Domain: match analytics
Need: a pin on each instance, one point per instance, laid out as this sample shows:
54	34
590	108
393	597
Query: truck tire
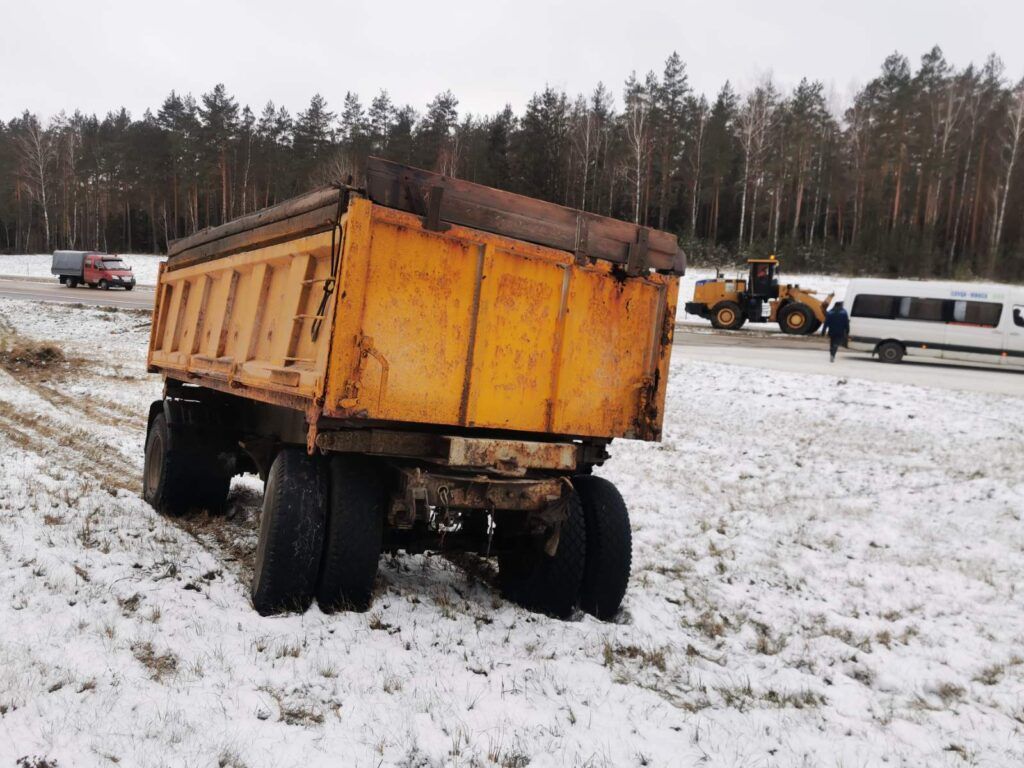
178	476
103	285
609	546
727	315
890	352
548	584
355	533
796	319
129	287
291	534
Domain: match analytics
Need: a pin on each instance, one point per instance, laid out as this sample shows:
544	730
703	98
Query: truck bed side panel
245	320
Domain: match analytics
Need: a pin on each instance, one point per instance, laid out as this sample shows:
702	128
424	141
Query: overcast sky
97	55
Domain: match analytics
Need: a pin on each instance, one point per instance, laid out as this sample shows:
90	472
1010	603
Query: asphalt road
32	289
809	355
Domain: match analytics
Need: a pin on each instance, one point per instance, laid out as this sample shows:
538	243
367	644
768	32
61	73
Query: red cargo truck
97	270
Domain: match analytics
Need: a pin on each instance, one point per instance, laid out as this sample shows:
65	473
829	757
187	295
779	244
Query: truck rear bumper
502	457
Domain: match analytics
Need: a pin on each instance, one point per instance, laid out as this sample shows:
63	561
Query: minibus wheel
890	352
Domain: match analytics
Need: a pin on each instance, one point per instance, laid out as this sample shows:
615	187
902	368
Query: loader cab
764	281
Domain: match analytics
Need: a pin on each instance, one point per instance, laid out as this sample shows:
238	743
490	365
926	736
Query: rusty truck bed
359	313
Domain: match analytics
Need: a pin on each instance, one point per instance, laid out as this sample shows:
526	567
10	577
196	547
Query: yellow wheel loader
758	298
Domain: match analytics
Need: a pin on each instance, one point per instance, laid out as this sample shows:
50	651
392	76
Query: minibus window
905	306
1018	316
977	313
879	307
984	313
926	309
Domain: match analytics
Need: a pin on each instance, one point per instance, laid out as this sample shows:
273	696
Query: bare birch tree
37	150
1011	140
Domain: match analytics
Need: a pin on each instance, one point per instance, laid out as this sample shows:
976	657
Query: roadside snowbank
825	573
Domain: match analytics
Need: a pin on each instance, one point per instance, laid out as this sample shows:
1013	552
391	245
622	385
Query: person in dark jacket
837	326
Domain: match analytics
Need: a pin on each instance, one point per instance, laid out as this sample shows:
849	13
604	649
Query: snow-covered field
144	266
826	573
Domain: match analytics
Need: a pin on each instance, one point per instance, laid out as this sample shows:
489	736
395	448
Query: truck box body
365	314
68	263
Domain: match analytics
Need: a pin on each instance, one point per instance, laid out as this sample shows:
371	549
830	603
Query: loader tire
609	546
355	534
796	319
291	539
178	475
727	315
545	583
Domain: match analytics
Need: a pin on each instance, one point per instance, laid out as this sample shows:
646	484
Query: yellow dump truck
418	364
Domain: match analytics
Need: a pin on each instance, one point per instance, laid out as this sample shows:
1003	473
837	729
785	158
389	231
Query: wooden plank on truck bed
306	223
523	218
311	201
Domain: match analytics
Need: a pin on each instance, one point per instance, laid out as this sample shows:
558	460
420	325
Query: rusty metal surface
432	329
508	457
479	491
512	456
472	329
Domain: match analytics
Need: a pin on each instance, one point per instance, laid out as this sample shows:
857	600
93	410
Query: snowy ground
144	266
825	574
812	358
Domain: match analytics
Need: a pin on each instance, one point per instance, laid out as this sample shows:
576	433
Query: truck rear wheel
291	534
796	319
178	475
548	583
355	534
609	546
727	316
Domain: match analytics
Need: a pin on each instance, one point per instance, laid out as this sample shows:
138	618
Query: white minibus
953	321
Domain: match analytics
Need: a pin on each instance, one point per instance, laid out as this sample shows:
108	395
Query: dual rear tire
590	566
182	474
321	533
